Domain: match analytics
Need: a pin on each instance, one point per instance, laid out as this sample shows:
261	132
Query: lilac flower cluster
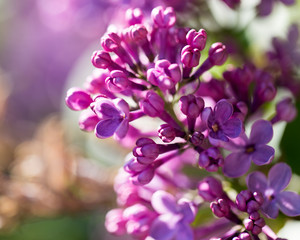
153	71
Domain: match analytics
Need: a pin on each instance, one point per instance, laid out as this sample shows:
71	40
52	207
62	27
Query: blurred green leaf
77	227
290	143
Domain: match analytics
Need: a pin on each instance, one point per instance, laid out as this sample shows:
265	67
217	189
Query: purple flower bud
217	54
164	75
210	188
191	106
244	236
110	42
286	110
190	56
265	89
211	159
133	166
220	208
163	17
117	81
146	150
101	59
138	33
196	39
197	138
88	120
134	16
166	133
78	99
114	222
146	176
152	105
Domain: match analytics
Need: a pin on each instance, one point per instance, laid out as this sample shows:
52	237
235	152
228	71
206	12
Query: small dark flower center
250	149
215	127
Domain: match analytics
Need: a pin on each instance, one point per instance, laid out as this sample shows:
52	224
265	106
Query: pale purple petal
163	228
184	231
123	105
261	132
205	114
188	214
263	154
279	176
271	209
236	164
289	203
164	202
106	128
122	129
223	111
257	182
219	135
232	128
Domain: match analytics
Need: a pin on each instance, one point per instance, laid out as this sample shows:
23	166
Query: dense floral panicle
163	17
275	199
134	16
253	149
221	125
78	99
211	159
173	221
210	188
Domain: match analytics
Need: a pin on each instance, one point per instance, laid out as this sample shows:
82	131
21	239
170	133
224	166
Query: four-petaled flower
174	220
275	199
114	117
253	149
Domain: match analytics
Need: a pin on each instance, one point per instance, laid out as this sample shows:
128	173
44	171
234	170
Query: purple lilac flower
272	188
211	159
221	125
174	219
253	149
114	117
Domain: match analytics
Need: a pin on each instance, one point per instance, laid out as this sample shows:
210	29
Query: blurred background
56	181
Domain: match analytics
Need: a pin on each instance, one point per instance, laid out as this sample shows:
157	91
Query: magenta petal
257	182
236	164
106	128
163	228
122	129
271	209
263	155
261	132
232	128
223	111
184	231
279	176
164	202
289	203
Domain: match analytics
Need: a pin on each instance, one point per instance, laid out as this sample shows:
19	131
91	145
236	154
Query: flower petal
263	154
257	182
223	111
106	128
232	128
261	132
122	129
236	164
279	176
163	227
183	231
270	208
105	109
164	202
289	203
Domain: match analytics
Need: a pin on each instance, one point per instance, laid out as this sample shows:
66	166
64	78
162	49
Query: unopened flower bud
101	59
196	39
217	54
163	17
210	188
134	16
146	150
78	99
